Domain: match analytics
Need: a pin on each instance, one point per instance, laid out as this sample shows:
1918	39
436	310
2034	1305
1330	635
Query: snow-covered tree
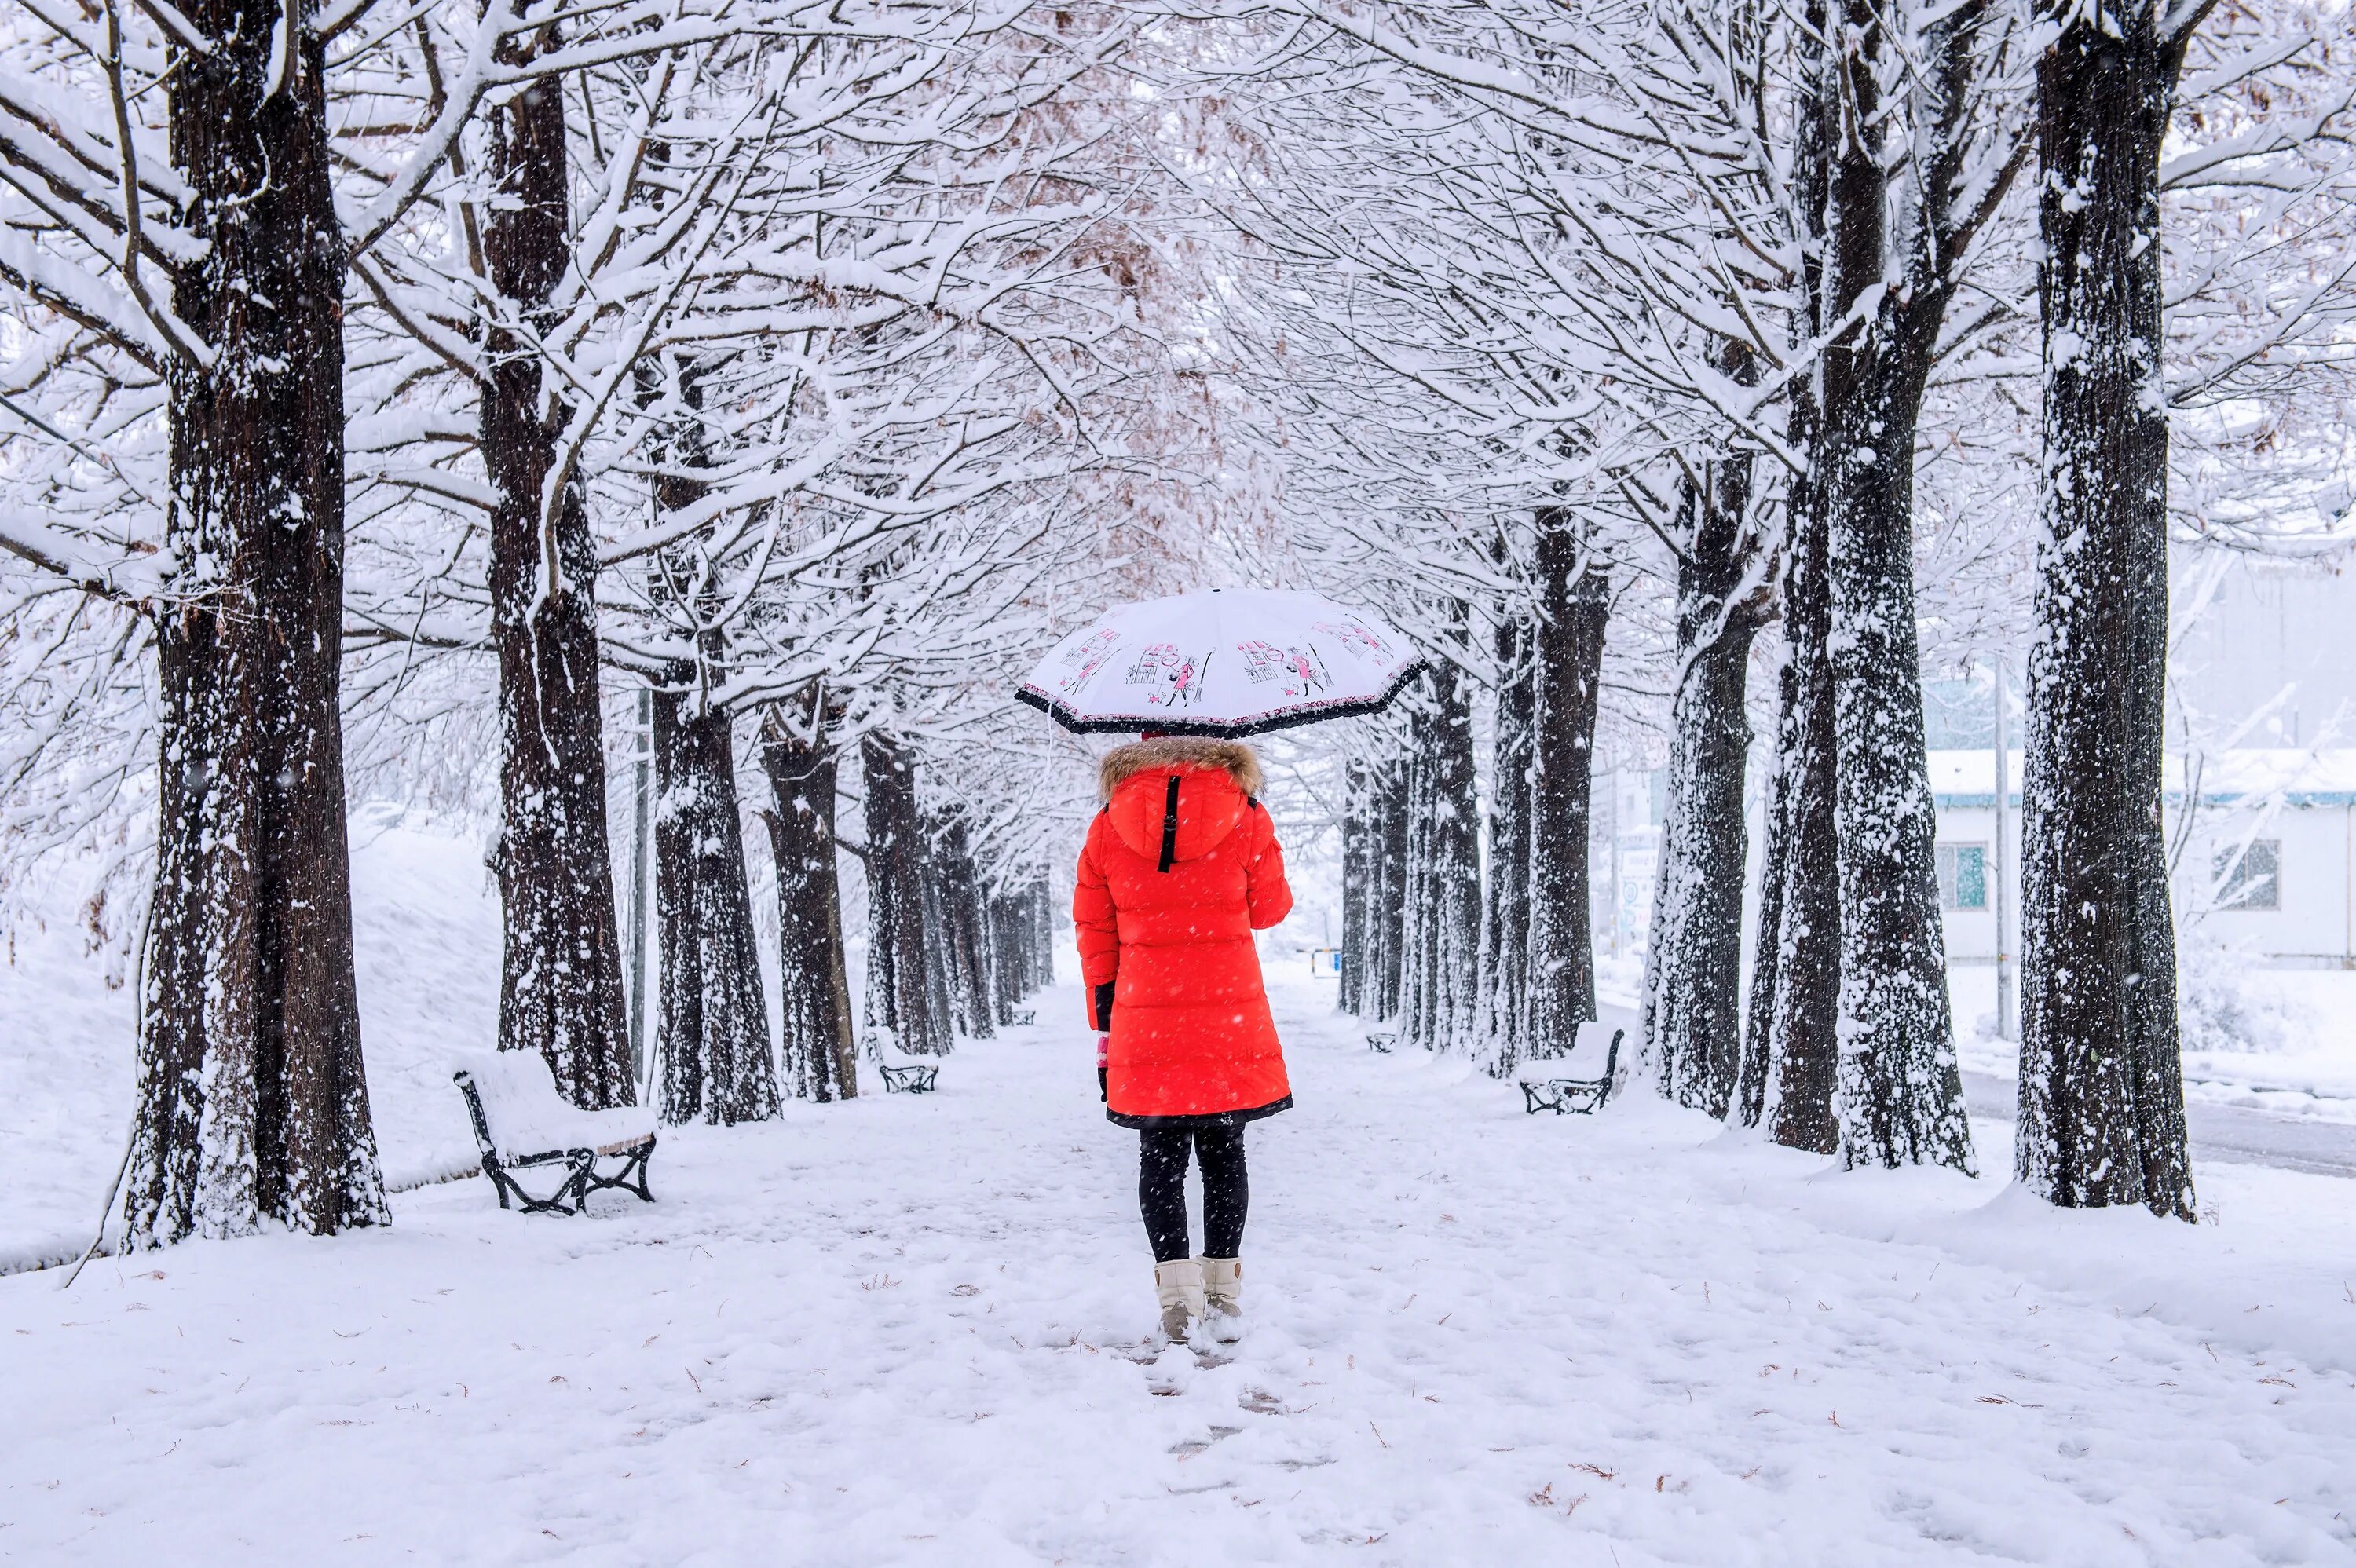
175	245
2195	274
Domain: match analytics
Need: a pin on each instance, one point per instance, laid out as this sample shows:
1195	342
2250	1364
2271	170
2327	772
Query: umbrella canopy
1229	662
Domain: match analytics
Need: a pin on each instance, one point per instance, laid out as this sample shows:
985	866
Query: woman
1181	867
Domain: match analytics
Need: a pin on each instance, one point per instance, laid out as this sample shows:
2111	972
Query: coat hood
1166	753
1177	799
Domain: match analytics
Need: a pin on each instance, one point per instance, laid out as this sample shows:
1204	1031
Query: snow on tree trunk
1043	934
1357	863
1374	905
1505	917
940	943
1391	907
959	934
713	1037
561	993
1416	910
1014	943
1574	603
1796	984
252	1104
822	1057
1759	1009
1902	1098
1389	914
2101	1096
1444	868
1693	960
899	994
1791	1054
1006	958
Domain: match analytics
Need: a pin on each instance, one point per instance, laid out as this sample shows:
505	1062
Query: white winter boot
1223	1289
1180	1285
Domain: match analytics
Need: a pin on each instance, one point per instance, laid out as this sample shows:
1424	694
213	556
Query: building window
1962	876
2250	878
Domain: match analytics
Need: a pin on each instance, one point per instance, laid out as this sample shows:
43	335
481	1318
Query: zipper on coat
1169	825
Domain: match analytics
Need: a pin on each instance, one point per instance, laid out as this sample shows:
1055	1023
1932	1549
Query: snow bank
426	932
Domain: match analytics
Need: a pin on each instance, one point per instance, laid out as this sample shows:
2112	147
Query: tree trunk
1693	964
1043	934
959	934
1799	1006
1751	1085
821	1059
1453	874
1014	958
1003	938
1574	600
1902	1098
1358	861
1441	968
1417	922
252	1102
940	940
714	1039
1389	914
1384	915
1791	1063
561	993
1506	923
899	992
2101	1096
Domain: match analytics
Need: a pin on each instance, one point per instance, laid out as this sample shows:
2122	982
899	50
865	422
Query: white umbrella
1230	662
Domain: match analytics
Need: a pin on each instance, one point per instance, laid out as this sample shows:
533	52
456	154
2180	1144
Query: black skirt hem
1205	1119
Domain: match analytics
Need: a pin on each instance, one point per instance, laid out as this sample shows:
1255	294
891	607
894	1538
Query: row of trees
386	387
1719	280
361	358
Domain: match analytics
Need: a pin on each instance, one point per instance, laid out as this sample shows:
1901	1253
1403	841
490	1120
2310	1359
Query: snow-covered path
894	1331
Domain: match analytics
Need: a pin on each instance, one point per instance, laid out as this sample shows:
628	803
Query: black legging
1162	1190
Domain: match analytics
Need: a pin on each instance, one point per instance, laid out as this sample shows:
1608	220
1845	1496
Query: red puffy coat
1181	867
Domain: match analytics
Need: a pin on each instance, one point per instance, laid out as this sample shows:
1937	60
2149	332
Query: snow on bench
1580	1087
521	1121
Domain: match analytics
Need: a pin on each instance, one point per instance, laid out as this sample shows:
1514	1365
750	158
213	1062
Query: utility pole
642	748
2007	1011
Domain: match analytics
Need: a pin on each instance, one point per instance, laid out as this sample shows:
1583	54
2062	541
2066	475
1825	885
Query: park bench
1382	1042
916	1078
521	1121
1021	1018
1580	1089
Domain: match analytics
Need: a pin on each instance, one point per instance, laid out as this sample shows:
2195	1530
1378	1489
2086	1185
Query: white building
2262	692
2267	860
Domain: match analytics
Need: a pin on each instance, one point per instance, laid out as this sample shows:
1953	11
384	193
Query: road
2219	1132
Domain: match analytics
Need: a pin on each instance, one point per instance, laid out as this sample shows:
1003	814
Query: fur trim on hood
1169	751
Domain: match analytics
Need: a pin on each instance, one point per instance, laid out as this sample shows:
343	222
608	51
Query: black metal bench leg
641	1161
554	1203
636	1161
